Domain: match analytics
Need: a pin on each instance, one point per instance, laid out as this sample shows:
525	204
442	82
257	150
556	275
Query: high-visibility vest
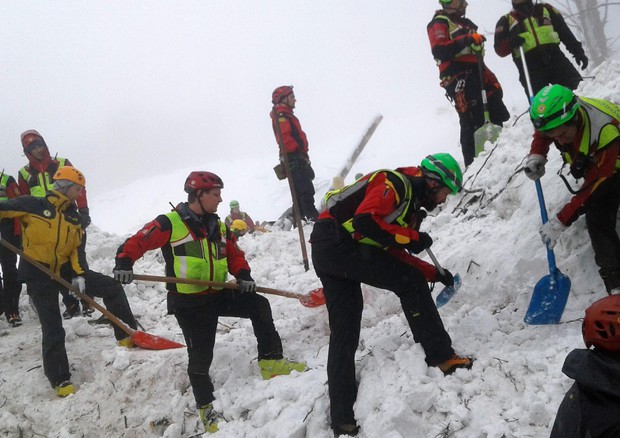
455	30
535	34
359	187
3	182
198	259
44	181
601	126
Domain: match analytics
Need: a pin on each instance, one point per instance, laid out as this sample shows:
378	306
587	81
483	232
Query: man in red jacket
458	48
196	245
293	142
365	235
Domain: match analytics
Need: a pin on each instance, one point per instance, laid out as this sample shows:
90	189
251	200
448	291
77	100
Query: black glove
447	278
246	282
582	60
123	271
578	168
84	217
516	40
424	241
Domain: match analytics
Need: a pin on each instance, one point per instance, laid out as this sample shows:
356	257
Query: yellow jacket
51	230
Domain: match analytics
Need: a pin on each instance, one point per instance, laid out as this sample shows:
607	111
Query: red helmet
601	325
280	93
198	180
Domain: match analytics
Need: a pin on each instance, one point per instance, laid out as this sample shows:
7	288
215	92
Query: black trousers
10	286
44	293
548	68
601	211
198	315
472	117
342	265
302	175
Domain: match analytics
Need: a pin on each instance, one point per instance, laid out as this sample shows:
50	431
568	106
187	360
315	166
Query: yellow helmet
239	225
69	173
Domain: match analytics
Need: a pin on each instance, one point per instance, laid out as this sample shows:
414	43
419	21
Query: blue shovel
551	292
448	292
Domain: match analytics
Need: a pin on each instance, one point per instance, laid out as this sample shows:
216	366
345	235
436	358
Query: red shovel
141	339
313	299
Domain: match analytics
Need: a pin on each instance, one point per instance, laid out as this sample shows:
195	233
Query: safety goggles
33	145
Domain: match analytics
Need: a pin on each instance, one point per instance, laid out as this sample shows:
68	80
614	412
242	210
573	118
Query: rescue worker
590	407
458	48
292	140
35	179
237	214
239	228
585	130
540	29
197	245
52	232
10	286
366	235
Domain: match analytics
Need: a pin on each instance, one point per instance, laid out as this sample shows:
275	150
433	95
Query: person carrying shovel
51	234
365	235
586	132
197	245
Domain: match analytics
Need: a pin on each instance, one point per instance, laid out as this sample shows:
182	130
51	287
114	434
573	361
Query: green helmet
446	167
234	204
553	106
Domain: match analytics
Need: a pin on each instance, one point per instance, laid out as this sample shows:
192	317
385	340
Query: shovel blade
314	298
487	132
548	300
152	342
448	292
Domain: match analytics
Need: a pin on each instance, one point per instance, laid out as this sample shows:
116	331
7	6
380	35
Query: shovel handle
218	284
69	286
435	262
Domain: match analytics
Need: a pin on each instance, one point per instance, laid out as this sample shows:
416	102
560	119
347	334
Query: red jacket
382	196
156	234
292	137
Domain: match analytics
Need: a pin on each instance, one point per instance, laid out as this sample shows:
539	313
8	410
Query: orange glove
477	39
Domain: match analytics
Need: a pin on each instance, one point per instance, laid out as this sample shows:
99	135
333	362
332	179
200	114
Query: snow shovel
313	299
448	292
141	339
488	131
551	292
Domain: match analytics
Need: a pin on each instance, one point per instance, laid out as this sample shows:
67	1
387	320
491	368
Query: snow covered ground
513	390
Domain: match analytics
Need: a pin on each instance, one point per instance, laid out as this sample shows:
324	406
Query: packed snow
490	237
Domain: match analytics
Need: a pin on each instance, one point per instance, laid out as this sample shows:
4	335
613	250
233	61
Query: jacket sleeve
596	174
153	235
286	134
566	35
430	271
540	144
442	46
235	256
501	42
381	199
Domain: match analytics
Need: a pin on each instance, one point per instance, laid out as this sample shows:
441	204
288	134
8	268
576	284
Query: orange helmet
280	93
69	173
601	325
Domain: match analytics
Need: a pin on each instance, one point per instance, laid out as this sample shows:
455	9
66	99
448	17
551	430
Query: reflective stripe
535	34
3	182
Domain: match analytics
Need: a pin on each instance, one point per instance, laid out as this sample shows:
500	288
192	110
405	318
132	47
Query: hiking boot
346	429
14	319
65	389
126	342
72	310
209	417
87	309
454	363
279	367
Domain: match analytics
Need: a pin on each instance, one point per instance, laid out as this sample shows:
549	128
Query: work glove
424	241
123	271
84	217
447	278
477	42
550	232
578	167
78	283
535	166
245	282
582	60
516	40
